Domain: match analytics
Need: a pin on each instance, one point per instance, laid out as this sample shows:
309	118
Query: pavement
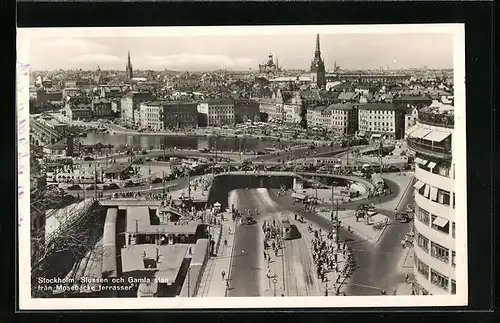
212	283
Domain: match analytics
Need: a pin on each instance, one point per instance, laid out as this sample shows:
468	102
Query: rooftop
117	168
138	220
166	260
341	106
378	106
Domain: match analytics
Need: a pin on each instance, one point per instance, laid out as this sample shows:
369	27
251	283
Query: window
453	287
440	224
453	229
423	216
453	258
423	268
439	279
443	197
453	200
440	252
423	242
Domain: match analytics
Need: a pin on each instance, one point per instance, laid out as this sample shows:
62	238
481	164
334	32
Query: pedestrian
190	251
349	228
225	242
407	278
223	274
265	256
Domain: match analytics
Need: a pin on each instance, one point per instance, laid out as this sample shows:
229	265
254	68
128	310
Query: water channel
183	142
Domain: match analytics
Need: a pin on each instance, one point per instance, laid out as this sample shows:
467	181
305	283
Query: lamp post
274	285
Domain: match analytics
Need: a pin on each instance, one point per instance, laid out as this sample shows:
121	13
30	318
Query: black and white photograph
242	167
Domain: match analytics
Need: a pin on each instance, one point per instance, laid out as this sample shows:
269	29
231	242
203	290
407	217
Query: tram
285	226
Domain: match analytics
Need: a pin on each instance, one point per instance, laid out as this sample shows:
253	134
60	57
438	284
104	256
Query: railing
434	151
437	119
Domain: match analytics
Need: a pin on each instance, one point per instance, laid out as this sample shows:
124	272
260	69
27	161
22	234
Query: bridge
40	133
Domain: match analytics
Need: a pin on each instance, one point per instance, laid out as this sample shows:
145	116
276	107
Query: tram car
287	230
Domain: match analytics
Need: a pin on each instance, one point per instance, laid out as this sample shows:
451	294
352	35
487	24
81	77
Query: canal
183	142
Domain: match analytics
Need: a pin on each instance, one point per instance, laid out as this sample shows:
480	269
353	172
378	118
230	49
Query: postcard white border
459	156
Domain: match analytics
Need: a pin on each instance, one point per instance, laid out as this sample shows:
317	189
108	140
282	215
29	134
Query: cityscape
267	180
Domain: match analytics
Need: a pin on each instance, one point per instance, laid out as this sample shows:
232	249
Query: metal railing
435	151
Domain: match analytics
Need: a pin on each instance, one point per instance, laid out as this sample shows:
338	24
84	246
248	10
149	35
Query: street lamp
274	284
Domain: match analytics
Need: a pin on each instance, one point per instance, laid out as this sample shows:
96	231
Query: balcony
430	150
438	119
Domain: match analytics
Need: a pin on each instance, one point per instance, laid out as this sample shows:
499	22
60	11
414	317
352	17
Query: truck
299	197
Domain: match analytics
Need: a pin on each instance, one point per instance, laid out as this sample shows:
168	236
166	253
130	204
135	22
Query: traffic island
272	255
370	230
332	262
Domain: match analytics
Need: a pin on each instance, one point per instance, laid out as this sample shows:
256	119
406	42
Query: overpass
42	133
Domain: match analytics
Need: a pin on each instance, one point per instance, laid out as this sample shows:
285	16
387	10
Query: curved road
376	266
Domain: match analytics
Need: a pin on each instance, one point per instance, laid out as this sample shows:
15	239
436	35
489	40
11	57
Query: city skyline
244	52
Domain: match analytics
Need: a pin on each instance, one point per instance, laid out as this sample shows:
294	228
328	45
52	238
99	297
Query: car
249	220
111	186
403	217
204	150
156	181
88	158
75	187
129	184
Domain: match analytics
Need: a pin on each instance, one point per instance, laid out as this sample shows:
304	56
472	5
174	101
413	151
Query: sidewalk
334	279
348	219
212	284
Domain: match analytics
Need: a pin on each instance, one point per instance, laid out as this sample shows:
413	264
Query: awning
426	190
418	160
440	222
420	133
423	162
434	193
437	136
431	165
361	134
418	185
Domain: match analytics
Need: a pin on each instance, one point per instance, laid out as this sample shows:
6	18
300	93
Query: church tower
318	66
128	69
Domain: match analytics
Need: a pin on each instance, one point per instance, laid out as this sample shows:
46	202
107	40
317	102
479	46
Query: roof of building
378	106
221	101
167	259
310	95
341	106
412	98
117	168
100	100
348	95
138	220
60	145
320	108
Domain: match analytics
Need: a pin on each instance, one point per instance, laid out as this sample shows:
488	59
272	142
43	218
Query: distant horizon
244	52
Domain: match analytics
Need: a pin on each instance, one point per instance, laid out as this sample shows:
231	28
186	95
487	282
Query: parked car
111	186
75	187
403	217
156	180
88	158
249	220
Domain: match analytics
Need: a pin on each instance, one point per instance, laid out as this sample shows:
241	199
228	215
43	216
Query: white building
151	115
434	246
216	112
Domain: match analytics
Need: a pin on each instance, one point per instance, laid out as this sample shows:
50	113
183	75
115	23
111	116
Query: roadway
246	267
376	265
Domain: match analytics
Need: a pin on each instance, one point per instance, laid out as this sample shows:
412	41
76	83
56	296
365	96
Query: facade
101	108
78	111
434	226
246	110
216	112
381	119
151	115
178	114
318	72
130	102
344	118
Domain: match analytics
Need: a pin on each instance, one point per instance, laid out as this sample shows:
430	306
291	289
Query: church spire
129	69
318	51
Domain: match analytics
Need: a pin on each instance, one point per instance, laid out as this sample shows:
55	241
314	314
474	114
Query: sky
243	52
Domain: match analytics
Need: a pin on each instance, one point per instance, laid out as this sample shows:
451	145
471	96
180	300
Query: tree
53	255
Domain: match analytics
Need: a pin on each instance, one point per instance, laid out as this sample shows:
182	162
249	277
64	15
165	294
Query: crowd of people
272	238
326	255
202	182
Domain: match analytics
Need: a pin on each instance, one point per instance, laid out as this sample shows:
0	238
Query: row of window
436	277
378	111
435	194
440	224
437	251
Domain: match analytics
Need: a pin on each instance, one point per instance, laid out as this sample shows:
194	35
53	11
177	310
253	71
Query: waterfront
183	142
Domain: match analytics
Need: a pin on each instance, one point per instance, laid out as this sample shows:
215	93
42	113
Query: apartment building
435	221
381	120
